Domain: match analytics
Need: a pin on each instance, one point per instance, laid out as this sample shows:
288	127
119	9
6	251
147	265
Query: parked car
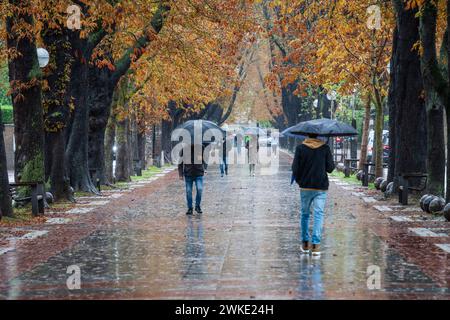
386	147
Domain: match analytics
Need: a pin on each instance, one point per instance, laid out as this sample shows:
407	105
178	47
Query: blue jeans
189	188
314	200
223	166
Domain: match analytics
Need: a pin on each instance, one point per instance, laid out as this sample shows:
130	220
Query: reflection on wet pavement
245	245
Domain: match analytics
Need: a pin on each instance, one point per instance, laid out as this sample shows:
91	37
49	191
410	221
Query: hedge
7	114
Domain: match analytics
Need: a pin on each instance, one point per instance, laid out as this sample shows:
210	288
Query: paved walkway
245	245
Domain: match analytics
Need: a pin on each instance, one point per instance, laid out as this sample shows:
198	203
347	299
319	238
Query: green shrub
7	114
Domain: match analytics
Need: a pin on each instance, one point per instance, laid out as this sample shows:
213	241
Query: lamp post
316	107
43	57
43	60
354	141
332	95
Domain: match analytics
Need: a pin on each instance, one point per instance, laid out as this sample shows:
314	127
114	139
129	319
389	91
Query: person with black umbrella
193	163
313	160
312	163
192	170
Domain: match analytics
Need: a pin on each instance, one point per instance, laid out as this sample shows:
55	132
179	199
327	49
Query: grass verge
351	179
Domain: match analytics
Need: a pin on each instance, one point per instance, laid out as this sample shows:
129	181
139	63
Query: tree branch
124	63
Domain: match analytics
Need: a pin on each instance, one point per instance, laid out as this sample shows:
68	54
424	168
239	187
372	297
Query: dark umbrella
321	127
300	137
193	126
291	135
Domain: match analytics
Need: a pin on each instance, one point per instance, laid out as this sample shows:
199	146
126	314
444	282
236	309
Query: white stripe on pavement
444	246
424	232
401	219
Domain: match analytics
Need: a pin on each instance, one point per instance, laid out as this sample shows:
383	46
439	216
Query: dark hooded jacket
195	167
313	160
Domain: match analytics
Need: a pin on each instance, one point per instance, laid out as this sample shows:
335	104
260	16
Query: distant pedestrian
252	153
313	160
192	171
238	142
224	158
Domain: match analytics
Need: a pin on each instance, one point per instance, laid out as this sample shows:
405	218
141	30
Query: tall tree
330	46
5	196
56	99
24	76
435	88
408	103
447	106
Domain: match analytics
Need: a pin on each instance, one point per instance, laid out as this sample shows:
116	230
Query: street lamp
354	140
43	57
332	95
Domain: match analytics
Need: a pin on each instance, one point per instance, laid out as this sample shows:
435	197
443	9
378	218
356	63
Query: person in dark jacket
313	160
192	172
224	158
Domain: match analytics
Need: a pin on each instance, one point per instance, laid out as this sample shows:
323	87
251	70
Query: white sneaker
315	252
305	248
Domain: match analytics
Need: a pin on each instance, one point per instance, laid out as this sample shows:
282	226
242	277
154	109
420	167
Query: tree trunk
378	135
56	99
166	143
110	136
447	113
132	144
392	110
141	141
123	155
410	117
77	146
27	104
436	148
447	110
100	98
365	133
433	82
167	126
291	107
59	182
5	196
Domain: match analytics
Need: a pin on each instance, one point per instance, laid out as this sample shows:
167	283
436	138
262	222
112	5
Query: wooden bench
37	195
350	166
404	185
367	174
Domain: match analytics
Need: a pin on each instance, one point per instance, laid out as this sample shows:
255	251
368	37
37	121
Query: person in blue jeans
192	172
224	158
312	163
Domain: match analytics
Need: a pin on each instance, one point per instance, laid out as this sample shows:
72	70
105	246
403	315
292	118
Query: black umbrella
197	126
321	127
286	134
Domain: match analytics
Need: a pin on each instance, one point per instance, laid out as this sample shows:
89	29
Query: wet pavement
245	245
